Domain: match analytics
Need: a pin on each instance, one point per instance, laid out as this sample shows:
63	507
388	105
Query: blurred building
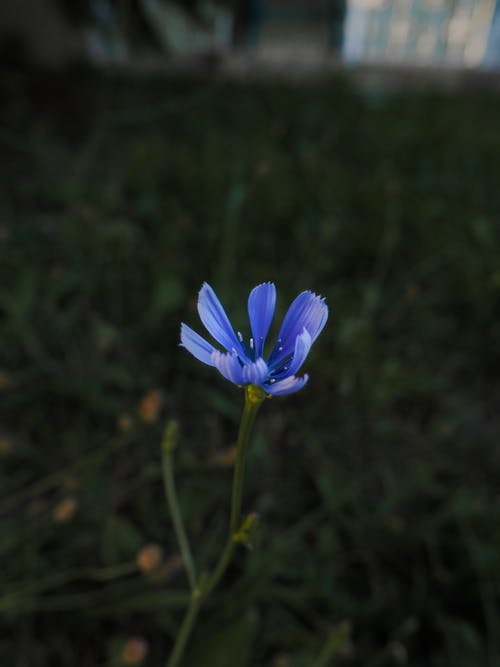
458	33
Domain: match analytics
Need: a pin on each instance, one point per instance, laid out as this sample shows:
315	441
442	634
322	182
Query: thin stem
186	628
238	531
220	568
168	446
250	410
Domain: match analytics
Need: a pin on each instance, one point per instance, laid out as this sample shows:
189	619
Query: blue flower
244	364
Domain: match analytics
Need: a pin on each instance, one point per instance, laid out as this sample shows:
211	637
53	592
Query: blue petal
198	346
214	318
303	344
228	366
307	311
261	303
287	386
255	373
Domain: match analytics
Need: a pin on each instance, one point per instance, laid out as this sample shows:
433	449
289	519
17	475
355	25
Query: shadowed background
376	485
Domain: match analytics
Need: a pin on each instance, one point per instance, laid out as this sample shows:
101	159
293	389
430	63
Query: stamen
251	343
280	349
240	337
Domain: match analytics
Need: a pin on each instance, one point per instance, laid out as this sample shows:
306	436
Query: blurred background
351	148
144	33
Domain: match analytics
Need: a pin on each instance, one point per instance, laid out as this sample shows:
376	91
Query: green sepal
254	395
247	529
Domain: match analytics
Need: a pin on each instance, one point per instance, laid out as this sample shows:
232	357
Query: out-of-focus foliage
377	485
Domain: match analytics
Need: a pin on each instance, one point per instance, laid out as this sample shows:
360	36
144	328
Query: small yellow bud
247	529
65	510
134	651
149	558
150	406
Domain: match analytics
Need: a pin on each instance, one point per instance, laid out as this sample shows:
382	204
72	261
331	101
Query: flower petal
307	311
214	317
198	346
303	344
289	385
228	366
261	304
256	372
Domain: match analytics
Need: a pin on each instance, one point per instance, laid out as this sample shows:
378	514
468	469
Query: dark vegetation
377	485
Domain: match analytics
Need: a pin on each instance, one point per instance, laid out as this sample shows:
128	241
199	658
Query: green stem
168	446
220	568
250	410
253	399
186	628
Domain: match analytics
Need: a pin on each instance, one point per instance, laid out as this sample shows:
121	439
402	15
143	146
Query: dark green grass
377	485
